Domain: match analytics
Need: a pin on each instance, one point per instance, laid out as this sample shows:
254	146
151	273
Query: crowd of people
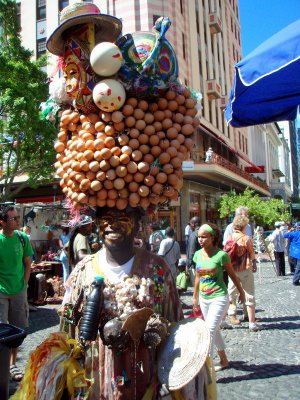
221	278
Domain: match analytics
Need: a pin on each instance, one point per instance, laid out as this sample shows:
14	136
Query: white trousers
214	310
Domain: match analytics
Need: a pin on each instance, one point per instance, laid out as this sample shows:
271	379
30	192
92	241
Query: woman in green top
210	290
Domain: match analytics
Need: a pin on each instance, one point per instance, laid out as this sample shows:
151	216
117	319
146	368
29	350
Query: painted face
205	239
109	95
117	228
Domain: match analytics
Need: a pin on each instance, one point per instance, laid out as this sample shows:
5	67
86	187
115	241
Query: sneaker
254	327
233	320
225	325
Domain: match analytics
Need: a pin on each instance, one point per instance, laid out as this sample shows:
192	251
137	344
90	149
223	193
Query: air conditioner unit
213	89
222	102
214	23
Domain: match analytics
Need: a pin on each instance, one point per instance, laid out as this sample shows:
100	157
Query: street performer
119	151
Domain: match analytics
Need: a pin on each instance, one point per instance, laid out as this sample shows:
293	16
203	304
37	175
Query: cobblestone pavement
264	365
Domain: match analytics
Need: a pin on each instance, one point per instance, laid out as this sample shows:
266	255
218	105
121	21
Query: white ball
106	59
109	95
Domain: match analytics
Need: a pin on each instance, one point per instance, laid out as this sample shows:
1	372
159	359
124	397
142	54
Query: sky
260	19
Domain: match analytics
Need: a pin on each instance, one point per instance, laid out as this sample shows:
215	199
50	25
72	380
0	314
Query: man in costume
131	290
122	366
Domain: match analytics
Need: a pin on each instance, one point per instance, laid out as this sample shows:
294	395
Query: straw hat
180	360
107	27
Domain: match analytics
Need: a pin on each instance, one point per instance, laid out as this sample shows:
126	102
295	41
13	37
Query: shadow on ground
261	371
42	318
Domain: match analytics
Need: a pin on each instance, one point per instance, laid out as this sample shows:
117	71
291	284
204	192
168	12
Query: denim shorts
14	309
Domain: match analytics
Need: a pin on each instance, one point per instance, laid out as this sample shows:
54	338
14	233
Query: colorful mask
80	78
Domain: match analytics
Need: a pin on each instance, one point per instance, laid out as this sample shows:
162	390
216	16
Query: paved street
264	365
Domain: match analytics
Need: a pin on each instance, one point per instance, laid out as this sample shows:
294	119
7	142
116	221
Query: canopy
267	82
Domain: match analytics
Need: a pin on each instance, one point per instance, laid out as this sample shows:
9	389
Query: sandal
221	367
15	373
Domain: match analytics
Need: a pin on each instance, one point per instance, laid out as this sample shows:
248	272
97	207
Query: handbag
196	314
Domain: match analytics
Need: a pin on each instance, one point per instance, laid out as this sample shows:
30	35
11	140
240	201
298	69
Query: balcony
213	89
277	173
222	102
215	25
222	171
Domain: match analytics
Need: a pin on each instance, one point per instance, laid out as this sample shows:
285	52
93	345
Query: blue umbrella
267	82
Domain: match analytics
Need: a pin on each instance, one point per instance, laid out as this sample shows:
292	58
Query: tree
26	141
264	212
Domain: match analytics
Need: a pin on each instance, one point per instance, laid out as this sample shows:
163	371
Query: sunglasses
13	218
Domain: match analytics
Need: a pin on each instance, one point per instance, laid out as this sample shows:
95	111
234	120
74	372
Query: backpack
232	249
157	237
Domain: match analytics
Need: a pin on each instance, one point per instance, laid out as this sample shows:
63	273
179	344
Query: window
240	144
197	21
62	4
200	64
181	7
183	46
41	9
19	15
40	47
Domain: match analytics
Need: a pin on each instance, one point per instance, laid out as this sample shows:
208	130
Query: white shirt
170	252
188	230
114	274
278	241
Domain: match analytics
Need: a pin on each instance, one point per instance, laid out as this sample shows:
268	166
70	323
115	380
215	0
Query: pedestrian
15	263
244	212
278	241
187	232
63	240
121	366
169	249
79	245
294	239
292	260
182	279
209	155
210	291
193	247
155	237
244	267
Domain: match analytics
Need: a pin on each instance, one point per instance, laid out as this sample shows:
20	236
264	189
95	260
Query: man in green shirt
15	262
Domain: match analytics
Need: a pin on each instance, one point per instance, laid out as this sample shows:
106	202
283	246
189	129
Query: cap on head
277	224
181	262
85	220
